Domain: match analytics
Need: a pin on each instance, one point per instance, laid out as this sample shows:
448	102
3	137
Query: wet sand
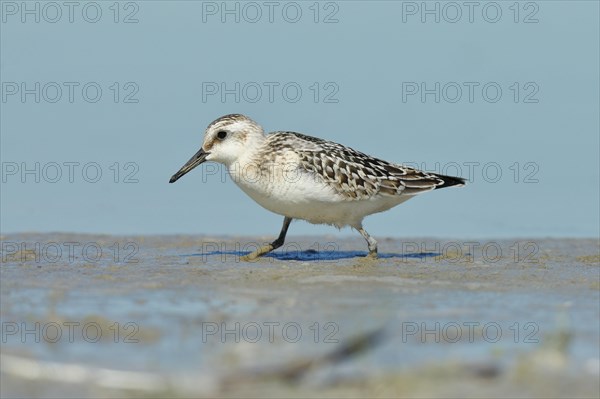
149	316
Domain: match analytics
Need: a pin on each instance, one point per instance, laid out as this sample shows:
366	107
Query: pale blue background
368	53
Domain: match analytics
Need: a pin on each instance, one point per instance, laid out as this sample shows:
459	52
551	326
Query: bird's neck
246	167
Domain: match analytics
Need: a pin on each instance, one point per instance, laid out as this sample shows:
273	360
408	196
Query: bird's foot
265	249
368	261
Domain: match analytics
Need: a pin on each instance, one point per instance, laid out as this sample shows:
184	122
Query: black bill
194	161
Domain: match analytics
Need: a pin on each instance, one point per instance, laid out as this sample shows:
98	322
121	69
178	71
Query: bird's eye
221	134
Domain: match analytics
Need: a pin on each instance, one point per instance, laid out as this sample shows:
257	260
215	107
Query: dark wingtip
450	181
173	179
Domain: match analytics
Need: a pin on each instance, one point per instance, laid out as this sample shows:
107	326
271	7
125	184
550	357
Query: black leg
281	239
274	245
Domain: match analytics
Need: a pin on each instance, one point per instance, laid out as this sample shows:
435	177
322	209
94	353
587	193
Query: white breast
283	188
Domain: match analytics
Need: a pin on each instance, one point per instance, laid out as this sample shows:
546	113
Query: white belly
304	198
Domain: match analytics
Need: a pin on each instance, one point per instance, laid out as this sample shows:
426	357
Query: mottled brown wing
353	174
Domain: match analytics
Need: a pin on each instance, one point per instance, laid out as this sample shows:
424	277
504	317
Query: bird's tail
450	181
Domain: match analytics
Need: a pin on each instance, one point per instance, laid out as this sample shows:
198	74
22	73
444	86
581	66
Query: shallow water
433	317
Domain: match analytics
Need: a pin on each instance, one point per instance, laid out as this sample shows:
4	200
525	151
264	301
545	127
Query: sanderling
308	178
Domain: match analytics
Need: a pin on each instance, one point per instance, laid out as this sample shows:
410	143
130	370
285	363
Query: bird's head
225	141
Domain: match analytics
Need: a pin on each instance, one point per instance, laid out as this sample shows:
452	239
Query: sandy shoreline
475	318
